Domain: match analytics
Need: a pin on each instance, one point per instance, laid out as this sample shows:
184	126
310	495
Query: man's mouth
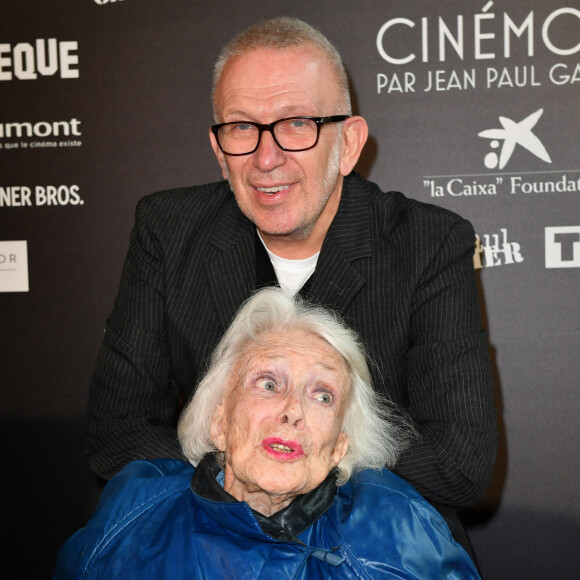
271	190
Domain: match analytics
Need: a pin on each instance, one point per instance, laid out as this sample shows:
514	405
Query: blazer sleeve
449	379
133	404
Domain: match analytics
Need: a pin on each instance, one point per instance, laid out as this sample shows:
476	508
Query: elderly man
291	212
284	414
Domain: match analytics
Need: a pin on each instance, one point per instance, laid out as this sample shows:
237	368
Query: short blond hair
282	33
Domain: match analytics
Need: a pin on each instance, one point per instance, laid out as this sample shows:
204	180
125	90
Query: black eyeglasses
291	134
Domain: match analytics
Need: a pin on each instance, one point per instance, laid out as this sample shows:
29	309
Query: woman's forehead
296	346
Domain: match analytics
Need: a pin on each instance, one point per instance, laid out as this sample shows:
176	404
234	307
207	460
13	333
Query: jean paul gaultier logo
495	250
469	51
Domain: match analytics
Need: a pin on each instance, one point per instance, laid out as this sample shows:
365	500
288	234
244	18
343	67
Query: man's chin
283	234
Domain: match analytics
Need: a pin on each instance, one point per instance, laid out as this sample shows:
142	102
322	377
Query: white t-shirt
291	274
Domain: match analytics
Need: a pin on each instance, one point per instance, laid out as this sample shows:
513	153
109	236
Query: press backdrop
473	106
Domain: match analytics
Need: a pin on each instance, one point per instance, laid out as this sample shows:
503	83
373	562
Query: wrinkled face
280	423
283	193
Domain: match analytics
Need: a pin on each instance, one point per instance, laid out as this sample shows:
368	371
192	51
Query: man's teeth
273	189
281	448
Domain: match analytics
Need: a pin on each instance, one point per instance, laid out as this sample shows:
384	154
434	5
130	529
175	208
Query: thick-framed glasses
290	134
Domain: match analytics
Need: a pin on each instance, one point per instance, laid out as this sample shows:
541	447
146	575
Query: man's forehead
291	80
307	50
263	61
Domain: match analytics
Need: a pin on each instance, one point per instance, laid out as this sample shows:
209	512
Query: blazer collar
351	227
232	270
336	280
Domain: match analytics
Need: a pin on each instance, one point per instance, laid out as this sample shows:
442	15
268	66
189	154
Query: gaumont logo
14	266
40	134
493	250
42	58
562	247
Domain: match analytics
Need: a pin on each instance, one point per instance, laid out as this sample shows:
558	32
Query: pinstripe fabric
401	274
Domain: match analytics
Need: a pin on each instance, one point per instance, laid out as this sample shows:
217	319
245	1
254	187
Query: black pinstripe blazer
400	272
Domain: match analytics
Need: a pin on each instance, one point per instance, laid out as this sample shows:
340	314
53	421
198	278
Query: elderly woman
288	439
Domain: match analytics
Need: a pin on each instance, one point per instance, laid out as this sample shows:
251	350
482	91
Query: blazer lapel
231	269
336	280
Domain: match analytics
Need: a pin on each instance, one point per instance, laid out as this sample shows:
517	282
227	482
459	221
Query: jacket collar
231	271
337	280
284	525
231	268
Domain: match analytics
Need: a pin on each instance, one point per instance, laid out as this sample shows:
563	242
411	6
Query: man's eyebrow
234	112
288	111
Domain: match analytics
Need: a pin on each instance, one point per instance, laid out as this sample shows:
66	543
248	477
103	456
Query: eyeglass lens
291	134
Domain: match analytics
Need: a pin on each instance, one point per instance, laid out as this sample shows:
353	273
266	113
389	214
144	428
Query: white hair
282	33
376	432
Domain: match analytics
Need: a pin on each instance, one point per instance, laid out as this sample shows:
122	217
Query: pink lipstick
281	449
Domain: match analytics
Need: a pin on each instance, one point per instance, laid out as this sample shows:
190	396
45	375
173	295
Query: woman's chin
283	485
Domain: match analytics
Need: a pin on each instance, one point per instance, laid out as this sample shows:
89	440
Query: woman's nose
293	412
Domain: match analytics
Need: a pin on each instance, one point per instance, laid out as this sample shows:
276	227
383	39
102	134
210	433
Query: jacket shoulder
183	205
382	518
381	482
141	486
396	206
374	490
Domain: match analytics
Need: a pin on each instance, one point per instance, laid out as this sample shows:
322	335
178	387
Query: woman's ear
354	137
216	429
340	449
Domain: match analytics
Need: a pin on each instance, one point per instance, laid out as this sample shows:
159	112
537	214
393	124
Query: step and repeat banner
474	106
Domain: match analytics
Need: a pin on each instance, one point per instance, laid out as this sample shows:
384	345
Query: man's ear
219	154
216	429
340	449
354	136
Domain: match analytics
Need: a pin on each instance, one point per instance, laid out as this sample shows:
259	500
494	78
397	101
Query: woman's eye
324	398
267	384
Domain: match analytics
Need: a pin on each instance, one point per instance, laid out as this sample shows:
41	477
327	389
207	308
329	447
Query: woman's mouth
282	449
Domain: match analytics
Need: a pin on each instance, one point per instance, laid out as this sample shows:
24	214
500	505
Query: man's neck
305	242
285	246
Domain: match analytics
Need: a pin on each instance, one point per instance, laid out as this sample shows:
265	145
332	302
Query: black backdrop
117	106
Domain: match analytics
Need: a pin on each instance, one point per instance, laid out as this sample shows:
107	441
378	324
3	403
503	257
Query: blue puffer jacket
150	523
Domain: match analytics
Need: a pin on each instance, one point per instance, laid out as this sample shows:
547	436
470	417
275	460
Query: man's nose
268	156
